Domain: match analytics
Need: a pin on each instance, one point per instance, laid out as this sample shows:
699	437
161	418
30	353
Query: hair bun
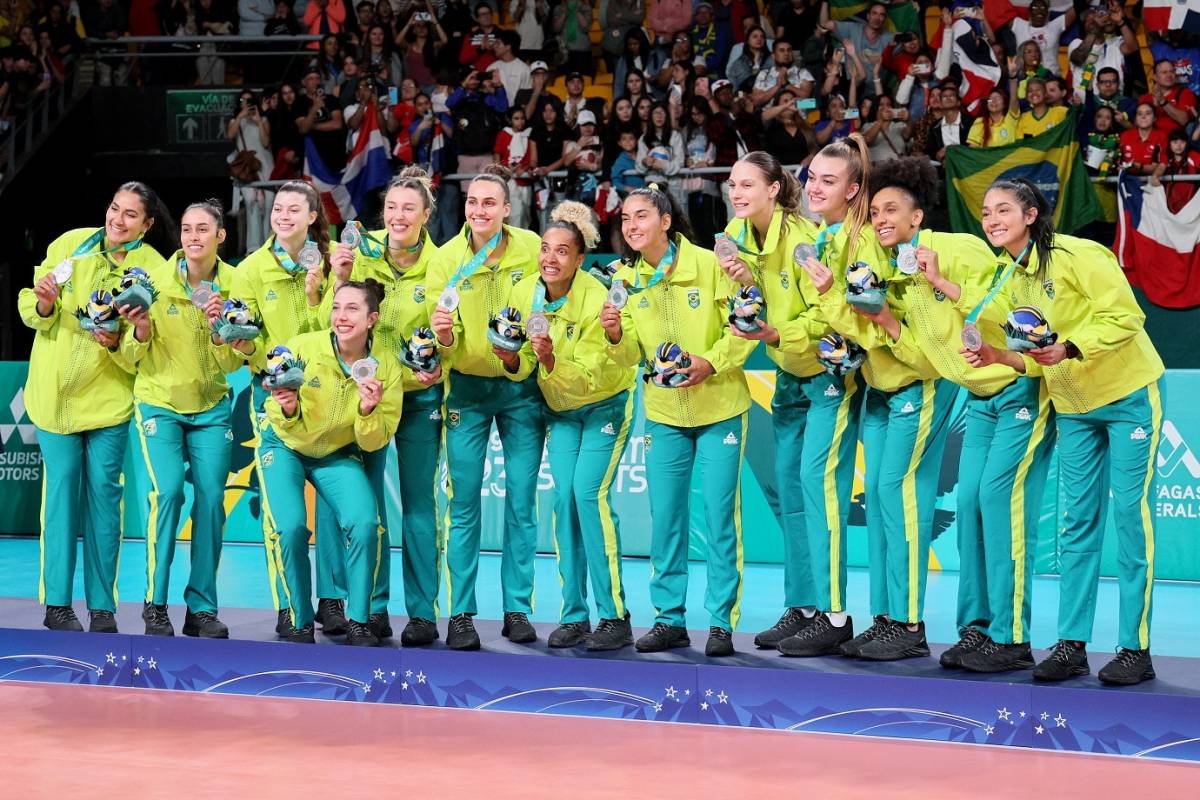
499	170
217	204
579	215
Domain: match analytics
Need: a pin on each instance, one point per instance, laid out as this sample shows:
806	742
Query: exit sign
199	116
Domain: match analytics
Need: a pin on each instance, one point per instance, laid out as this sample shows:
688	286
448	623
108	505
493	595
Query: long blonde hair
854	151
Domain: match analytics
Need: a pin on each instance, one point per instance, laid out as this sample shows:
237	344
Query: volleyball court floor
63	741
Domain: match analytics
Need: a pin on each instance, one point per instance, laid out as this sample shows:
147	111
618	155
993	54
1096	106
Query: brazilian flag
1050	160
902	18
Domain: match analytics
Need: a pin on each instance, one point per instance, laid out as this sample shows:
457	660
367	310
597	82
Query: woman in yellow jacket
697	405
79	395
1074	305
808	400
349	405
468	287
183	415
399	257
589	403
282	284
1005	450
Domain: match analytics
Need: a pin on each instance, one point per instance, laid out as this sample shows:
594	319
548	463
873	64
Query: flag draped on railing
367	169
1158	249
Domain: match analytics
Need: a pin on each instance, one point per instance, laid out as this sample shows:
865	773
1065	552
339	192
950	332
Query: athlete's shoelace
661	629
971	639
1062	652
877	629
1127	658
331	607
989	647
890	632
790	618
461	624
158	615
606	626
61	614
719	633
576	626
103	616
820	624
357	629
204	617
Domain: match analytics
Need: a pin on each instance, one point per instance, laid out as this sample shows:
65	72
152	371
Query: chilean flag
367	169
1170	15
1158	249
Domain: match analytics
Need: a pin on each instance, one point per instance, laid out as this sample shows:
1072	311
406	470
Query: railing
38	121
227	50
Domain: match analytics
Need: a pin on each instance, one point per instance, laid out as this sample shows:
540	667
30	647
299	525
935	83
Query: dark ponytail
1041	231
163	234
372	290
319	230
664	203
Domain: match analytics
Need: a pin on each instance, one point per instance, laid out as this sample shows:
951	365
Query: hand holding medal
726	251
805	256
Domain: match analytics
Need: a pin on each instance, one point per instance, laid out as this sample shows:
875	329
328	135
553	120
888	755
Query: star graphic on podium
99	672
110	659
1045	716
152	664
137	670
671	691
989	730
1004	713
404	686
1060	720
658	706
704	706
421	677
378	674
1039	730
724	698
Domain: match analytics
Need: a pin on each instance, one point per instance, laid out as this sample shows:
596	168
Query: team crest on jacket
517	275
784	281
646	441
1048	287
268	458
939	295
453	417
150	427
694	298
570	330
418	294
229	434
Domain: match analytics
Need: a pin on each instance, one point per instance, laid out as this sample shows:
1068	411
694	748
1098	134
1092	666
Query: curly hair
577	219
913	175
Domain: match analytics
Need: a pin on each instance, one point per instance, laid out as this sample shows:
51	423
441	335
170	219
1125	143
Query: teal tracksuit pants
472	404
904	437
671	453
418	448
81	492
805	413
827	479
1001	474
1113	448
584	448
331	567
342	481
167	440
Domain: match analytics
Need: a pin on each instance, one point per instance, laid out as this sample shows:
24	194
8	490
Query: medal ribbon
659	273
183	276
97	238
337	352
285	260
539	300
472	266
823	239
912	243
997	285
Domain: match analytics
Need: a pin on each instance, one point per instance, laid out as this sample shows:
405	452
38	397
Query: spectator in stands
512	72
1144	146
660	153
642	111
1174	104
106	20
1180	49
376	59
286	139
585	162
324	16
954	126
702	192
1108	38
63	30
575	102
328	62
457	21
681	89
531	18
1057	91
211	19
421	41
662	62
626	160
753	59
796	21
788	134
550	151
843	70
670	17
476	51
1041	116
635	87
914	90
513	151
833	125
320	118
250	130
633	58
885	129
922	129
1031	66
50	60
902	54
350	77
1044	32
432	137
1108	93
621	19
1102	142
572	21
997	126
284	22
385	16
781	74
364	15
478	106
253	16
869	38
709	42
1180	161
733	130
537	95
400	117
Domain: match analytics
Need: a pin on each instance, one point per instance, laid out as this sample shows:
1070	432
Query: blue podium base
912	699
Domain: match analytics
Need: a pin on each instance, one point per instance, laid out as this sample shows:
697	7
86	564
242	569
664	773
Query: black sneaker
970	639
720	642
663	637
992	656
283	621
305	635
611	634
359	634
158	622
102	622
331	615
821	638
850	649
895	642
62	618
569	634
791	623
1066	660
517	628
205	625
419	632
380	625
461	634
1128	668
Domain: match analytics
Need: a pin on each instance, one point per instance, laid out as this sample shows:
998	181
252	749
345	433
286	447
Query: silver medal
63	271
725	249
803	252
906	259
537	325
351	236
363	370
972	339
201	295
310	257
618	296
448	299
